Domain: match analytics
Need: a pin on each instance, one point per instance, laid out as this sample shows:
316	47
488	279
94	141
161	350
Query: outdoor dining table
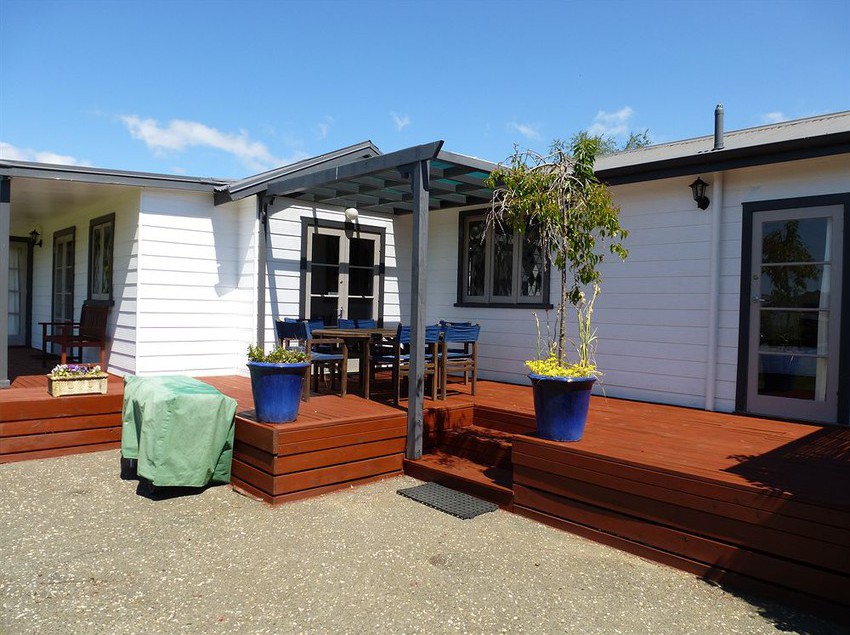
359	336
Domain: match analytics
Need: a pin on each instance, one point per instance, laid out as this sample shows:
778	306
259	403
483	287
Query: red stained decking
751	502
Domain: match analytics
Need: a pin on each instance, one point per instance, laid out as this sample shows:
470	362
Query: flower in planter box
67	371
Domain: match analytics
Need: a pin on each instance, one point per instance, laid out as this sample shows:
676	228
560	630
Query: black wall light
35	238
698	188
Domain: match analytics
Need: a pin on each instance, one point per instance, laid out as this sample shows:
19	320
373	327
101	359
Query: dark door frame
28	306
749	209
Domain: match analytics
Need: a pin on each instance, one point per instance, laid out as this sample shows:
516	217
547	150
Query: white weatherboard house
741	306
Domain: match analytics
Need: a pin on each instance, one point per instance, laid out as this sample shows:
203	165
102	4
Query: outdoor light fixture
351	214
698	188
35	237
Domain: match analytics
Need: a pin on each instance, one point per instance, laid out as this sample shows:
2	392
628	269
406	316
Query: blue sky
227	89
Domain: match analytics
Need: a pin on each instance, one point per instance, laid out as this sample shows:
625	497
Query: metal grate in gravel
447	500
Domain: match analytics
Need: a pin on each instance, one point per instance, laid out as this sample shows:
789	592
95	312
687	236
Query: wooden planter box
91	385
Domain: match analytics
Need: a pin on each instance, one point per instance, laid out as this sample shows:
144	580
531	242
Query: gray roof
785	141
84	174
243	188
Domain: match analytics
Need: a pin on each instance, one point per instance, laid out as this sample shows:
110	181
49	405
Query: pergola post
5	216
416	382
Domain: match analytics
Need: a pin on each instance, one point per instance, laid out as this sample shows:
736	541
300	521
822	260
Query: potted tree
559	195
277	381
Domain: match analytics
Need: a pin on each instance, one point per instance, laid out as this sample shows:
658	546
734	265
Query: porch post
416	383
5	214
262	260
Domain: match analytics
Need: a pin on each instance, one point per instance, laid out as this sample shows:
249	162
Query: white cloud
180	134
527	130
401	121
13	153
325	126
611	124
773	117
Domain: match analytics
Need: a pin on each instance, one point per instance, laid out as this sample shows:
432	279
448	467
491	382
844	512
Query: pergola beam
290	185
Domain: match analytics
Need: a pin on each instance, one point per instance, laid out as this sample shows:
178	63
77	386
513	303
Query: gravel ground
83	553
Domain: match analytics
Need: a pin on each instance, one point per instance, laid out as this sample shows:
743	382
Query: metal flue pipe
718	127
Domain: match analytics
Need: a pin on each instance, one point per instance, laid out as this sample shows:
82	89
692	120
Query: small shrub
278	355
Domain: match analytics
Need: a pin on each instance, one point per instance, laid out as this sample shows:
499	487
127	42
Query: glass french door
343	274
63	275
18	291
795	313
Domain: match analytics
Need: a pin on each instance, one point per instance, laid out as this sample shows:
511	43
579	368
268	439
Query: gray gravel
83	553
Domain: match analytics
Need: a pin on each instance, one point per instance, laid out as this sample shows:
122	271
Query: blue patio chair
399	358
299	333
465	359
356	324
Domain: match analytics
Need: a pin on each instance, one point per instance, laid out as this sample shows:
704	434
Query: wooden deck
752	503
34	425
747	502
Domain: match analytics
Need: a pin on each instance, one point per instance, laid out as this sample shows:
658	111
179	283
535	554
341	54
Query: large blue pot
277	390
560	406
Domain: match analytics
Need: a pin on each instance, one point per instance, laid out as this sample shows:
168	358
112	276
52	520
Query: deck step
486	482
491	448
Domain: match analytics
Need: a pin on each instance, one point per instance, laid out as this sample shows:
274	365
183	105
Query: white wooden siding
196	283
652	316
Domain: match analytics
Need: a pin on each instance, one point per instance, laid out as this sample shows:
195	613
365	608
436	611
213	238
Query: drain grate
447	500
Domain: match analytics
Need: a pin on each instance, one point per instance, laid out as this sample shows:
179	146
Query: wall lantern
351	214
35	237
698	188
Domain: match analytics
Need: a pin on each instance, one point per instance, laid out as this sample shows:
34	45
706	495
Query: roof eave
717	160
81	174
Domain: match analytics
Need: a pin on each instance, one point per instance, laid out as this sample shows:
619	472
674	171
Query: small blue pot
277	390
560	406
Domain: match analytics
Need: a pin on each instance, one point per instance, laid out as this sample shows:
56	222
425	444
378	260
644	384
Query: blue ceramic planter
560	406
277	390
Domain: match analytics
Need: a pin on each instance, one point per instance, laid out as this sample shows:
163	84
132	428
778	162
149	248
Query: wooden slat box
353	442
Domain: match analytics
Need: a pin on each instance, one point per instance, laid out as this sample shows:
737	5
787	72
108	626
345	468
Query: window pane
531	267
325	308
325	249
503	262
790	376
798	240
361	252
360	309
324	279
360	281
803	286
802	331
475	258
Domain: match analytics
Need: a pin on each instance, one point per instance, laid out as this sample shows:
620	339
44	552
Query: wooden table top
355	333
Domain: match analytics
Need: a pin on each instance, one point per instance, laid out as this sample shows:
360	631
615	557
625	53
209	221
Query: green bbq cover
180	430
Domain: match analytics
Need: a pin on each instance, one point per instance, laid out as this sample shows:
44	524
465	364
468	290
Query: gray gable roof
790	140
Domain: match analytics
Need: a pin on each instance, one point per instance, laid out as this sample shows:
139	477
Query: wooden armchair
89	332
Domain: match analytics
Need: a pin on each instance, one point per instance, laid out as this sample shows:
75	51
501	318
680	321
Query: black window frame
464	218
105	299
307	224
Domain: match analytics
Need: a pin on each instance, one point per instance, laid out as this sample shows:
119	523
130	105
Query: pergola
414	181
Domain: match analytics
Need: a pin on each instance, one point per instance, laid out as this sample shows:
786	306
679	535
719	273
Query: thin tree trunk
562	320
